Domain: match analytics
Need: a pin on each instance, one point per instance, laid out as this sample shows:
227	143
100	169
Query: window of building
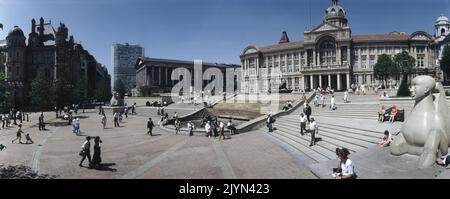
420	61
420	49
363	61
328	52
363	51
372	51
372	61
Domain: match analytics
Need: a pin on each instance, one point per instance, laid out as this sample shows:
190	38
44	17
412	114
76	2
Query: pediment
325	27
420	37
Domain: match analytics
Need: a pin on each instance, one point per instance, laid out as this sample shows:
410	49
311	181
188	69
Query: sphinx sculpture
116	100
426	131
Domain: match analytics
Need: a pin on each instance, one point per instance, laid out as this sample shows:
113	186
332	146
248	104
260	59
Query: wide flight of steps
336	128
332	136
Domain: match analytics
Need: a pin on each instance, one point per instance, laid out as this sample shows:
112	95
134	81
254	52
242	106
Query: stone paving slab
129	149
377	163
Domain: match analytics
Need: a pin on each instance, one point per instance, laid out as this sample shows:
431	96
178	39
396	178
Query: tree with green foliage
63	92
4	94
406	64
79	90
103	91
119	87
42	92
385	68
445	62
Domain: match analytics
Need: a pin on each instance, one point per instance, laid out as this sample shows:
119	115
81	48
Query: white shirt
207	127
347	168
332	100
221	125
312	125
303	119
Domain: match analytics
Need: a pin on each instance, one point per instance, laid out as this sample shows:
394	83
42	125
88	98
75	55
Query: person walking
126	112
77	126
332	103
270	122
28	138
150	126
18	135
96	157
303	120
3	121
74	126
177	125
86	151
208	129
191	128
116	119
41	121
231	127
222	130
307	110
346	100
313	130
104	120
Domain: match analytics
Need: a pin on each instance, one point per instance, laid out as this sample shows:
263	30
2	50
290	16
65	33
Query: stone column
159	76
311	80
338	82
329	80
348	80
314	59
320	81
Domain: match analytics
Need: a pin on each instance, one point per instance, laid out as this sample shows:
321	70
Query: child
29	141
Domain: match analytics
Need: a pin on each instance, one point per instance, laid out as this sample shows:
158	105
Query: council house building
331	56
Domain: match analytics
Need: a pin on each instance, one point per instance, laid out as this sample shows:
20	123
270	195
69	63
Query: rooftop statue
116	100
426	131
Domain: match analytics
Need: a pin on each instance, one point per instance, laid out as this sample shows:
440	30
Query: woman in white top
386	140
347	167
332	103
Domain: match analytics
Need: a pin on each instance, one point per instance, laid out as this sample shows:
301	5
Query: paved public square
128	152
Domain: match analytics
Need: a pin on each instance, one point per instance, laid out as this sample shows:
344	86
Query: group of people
14	116
96	160
19	136
391	114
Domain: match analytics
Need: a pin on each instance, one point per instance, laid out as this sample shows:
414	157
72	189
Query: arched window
442	31
327	51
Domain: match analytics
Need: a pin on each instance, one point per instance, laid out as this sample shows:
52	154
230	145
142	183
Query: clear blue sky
212	30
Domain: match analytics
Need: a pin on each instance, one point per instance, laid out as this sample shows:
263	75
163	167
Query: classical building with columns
156	74
331	56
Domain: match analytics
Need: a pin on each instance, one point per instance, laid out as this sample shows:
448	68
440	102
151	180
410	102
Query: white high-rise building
124	58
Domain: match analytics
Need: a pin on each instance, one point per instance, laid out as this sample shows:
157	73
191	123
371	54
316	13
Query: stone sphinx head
422	86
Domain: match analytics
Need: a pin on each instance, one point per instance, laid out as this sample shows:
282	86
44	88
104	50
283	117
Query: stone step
309	152
371	135
334	136
326	137
324	148
328	144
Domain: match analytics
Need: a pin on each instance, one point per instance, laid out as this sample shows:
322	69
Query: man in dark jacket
307	110
150	126
269	122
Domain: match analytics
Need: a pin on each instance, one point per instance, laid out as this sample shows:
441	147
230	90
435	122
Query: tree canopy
42	91
385	68
445	61
119	87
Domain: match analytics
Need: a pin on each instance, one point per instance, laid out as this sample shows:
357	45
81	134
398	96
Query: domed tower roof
16	31
335	11
442	20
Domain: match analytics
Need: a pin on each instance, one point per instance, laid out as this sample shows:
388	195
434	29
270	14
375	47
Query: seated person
346	166
444	161
393	114
386	140
381	114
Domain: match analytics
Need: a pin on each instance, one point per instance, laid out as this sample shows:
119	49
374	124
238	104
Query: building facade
156	73
50	50
331	56
124	57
